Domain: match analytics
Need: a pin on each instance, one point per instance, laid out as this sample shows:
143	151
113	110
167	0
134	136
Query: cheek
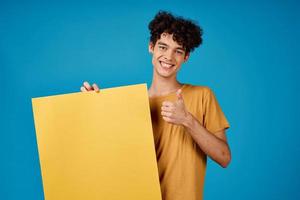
178	64
158	55
180	61
155	58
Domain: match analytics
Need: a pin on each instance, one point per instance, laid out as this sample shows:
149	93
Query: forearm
216	148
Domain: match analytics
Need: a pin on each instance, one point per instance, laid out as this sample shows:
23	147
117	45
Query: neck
163	86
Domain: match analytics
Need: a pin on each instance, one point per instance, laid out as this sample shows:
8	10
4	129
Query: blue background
249	58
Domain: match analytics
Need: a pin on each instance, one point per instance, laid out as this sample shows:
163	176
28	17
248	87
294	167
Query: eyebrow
162	43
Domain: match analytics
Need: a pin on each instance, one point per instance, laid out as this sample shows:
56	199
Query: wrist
188	120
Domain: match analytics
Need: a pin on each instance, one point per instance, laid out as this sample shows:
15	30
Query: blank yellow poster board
97	146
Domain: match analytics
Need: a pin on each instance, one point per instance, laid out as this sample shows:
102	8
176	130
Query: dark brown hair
185	32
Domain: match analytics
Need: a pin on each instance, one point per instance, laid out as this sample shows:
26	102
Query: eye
179	52
162	47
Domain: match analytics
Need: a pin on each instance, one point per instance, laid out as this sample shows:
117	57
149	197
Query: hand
175	113
87	87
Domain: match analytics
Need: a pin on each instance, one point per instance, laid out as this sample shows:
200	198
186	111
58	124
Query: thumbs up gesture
175	112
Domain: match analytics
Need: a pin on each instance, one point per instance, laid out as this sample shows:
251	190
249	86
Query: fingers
168	108
166	114
87	87
82	89
96	88
179	95
168	119
167	103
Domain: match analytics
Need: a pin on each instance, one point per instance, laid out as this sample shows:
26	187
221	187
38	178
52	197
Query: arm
214	145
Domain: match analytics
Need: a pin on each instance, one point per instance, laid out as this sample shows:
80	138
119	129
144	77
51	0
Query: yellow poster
97	146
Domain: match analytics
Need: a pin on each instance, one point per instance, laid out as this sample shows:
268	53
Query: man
188	124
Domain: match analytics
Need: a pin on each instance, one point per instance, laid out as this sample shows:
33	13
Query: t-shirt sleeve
214	119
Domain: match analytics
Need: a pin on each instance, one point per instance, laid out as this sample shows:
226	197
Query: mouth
165	65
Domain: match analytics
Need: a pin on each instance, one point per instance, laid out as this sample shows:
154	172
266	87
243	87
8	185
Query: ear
151	47
186	57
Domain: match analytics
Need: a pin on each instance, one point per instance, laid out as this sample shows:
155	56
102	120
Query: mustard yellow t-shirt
181	163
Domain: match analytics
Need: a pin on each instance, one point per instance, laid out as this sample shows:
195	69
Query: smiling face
168	56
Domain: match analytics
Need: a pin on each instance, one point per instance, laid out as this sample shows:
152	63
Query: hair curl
185	32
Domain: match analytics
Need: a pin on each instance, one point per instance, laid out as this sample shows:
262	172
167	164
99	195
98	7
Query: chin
166	75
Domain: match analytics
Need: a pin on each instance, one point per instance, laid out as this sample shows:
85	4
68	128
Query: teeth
166	65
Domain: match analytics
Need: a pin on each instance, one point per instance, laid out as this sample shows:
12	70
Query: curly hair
185	32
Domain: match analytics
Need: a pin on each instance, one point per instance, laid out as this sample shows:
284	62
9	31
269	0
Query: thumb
179	95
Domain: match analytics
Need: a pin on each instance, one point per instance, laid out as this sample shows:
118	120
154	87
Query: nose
168	55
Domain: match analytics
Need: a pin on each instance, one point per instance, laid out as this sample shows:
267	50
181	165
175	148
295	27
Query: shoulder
198	90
